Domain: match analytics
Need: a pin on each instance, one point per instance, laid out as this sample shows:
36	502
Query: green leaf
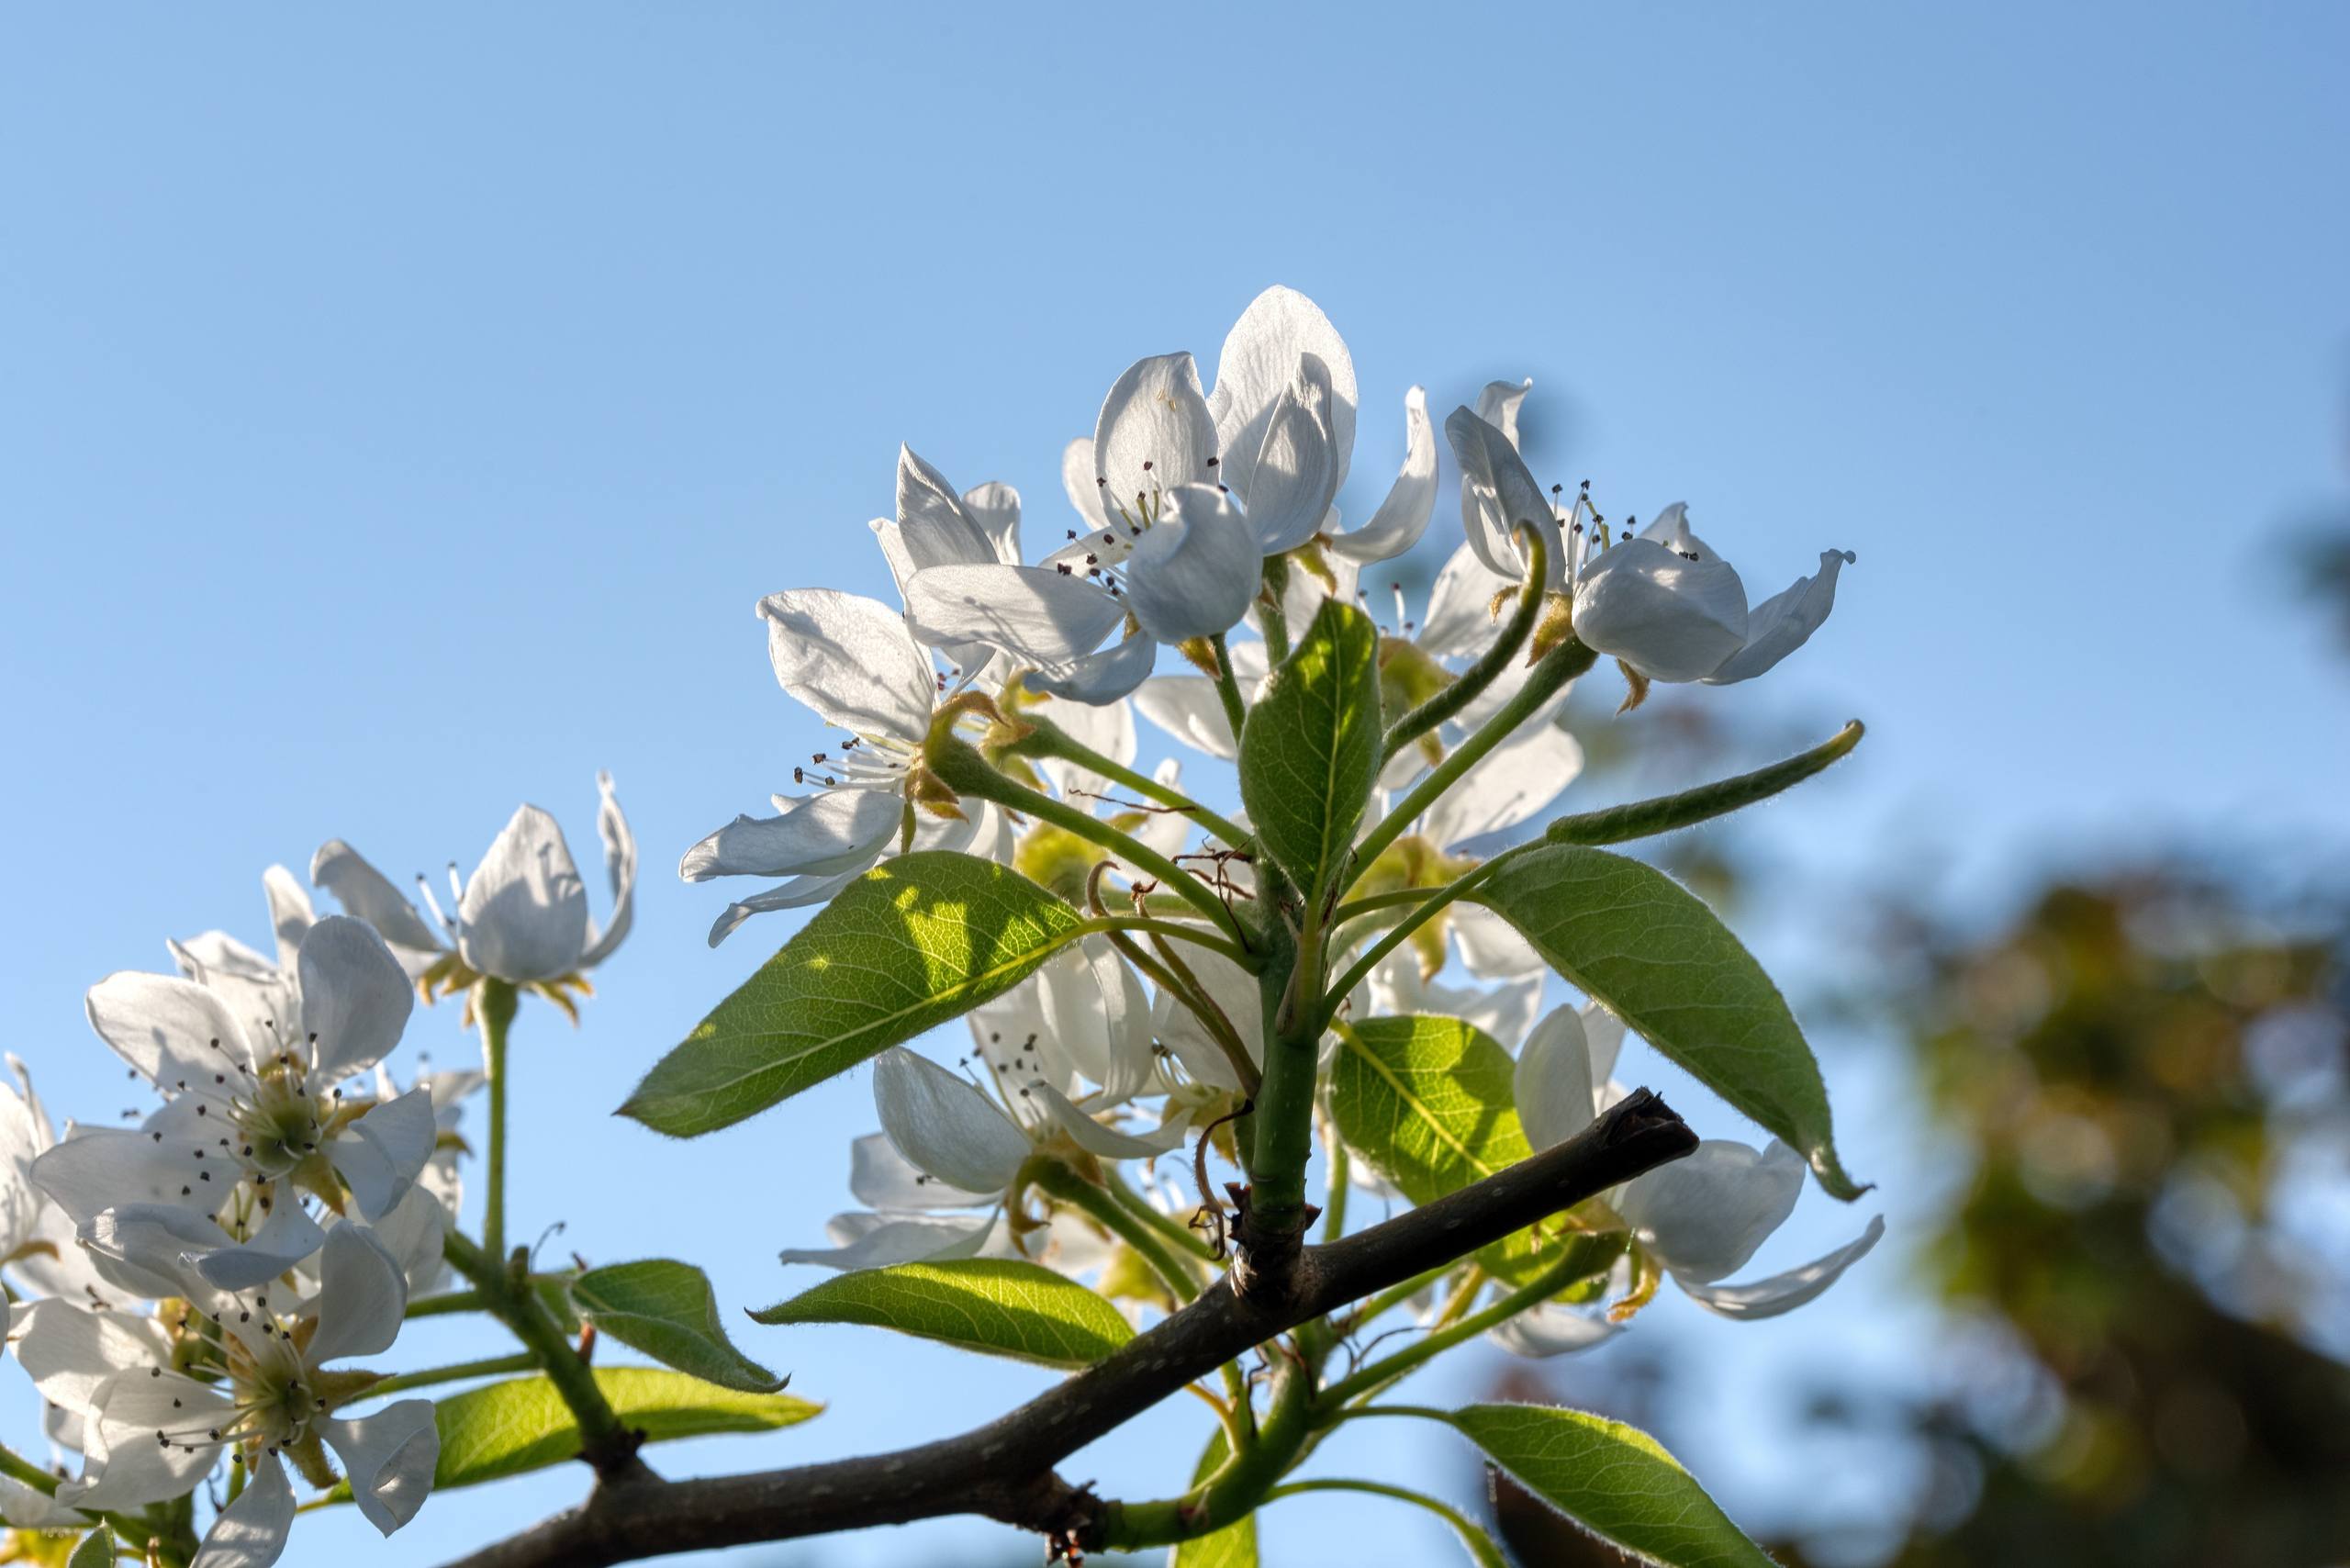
505	1429
914	942
1234	1546
999	1306
1616	1481
1637	940
1425	1102
668	1310
97	1550
1309	753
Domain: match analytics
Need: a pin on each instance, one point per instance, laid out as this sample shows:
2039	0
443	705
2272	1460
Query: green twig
1473	1536
1046	738
494	1005
1447	704
491	1366
1051	1176
1235	712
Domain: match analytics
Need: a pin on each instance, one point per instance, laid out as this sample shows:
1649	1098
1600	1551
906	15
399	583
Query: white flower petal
290	914
1496	494
1097	1017
123	1465
380	1155
797	894
1670	618
1258	364
881	1178
1082	478
1552	1329
1460	619
173	1031
1784	621
1604	1031
820	835
1704	1216
1105	727
934	526
1102	1141
1193	573
851	661
69	1353
1785	1292
1404	516
1235	992
388	1458
620	869
876	1241
524	913
1046	617
367	892
362	1295
1296	472
1498	404
1102	678
356	997
251	1532
1516	780
1187	707
286	1238
1154	433
99	1167
944	1126
1552	1080
1489	946
995	506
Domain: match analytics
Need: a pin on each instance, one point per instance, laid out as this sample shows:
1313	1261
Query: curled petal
1497	405
1404	516
1154	433
1046	617
620	869
876	1241
367	892
362	1295
1785	1292
1784	621
356	997
388	1459
1082	478
797	894
1098	679
1296	472
1496	494
380	1155
251	1532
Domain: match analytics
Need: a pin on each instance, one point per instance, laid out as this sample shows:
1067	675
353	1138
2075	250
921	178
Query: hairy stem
604	1442
1051	1176
1048	739
1473	1536
490	1366
1235	712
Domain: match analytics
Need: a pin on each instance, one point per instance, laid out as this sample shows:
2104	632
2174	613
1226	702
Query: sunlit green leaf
506	1428
1309	753
999	1305
97	1550
1425	1102
914	942
668	1310
1637	940
1614	1480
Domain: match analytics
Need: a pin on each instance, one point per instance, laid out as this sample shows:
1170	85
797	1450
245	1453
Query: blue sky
399	419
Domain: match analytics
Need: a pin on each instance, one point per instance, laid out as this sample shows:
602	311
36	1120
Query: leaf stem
1575	1264
1448	705
490	1366
1401	932
446	1303
1473	1536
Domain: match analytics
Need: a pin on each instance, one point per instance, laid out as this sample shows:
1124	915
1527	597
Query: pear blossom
255	1115
37	1240
152	1432
853	663
521	917
1183	494
1670	608
1701	1218
948	1145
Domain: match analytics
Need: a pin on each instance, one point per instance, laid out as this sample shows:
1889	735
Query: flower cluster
194	1288
1207	519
